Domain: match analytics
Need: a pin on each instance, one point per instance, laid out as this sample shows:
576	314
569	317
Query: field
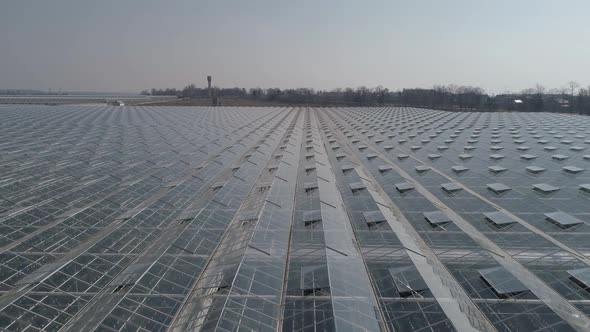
157	218
130	99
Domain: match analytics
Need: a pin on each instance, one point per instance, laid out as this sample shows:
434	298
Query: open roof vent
407	280
502	282
436	218
373	218
562	219
498	188
499	218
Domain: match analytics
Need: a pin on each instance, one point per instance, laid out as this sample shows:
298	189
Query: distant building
116	103
563	103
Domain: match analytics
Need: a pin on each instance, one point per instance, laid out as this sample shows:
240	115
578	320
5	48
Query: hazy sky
129	45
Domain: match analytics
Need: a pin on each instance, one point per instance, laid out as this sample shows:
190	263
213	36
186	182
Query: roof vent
436	218
502	282
499	218
545	188
407	280
373	218
562	219
498	188
451	187
404	186
312	217
535	169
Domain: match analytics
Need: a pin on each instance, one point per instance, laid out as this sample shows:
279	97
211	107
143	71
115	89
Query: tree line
23	92
571	98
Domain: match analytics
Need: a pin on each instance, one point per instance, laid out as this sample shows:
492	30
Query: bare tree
573	86
539	89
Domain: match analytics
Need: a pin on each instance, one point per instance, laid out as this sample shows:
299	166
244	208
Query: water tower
209	85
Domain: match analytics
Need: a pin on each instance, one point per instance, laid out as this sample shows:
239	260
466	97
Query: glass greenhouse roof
294	219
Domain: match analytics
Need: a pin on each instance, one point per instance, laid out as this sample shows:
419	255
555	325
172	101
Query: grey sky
129	45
